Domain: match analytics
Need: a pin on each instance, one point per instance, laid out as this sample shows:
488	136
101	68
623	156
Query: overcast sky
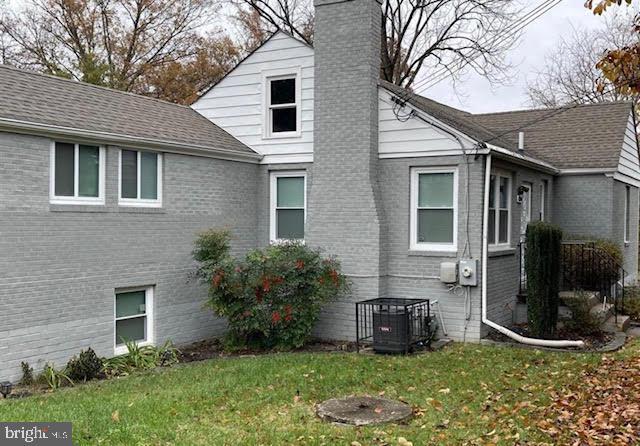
476	95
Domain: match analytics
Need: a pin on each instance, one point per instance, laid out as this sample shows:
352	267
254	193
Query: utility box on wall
448	272
468	272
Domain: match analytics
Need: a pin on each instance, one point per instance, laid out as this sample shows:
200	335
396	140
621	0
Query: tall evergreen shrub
542	265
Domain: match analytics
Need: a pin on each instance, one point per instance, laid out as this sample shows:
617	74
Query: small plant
582	321
141	358
84	367
54	378
273	297
27	374
542	264
632	302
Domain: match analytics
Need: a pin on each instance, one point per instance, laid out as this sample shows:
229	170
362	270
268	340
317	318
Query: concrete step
592	297
602	312
621	325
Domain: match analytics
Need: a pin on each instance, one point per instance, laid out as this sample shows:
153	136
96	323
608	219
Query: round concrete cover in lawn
363	410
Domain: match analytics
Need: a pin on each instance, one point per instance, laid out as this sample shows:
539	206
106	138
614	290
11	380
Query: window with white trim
77	173
282	105
288	205
627	213
499	230
140	178
543	198
434	209
133	317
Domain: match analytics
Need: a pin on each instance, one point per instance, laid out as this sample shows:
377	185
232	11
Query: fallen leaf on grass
115	417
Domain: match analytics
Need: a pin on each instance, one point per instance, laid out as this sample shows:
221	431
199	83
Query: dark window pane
290	192
130	304
492	192
435	226
64	161
131	330
435	190
290	224
149	175
491	231
504	192
129	186
283	91
88	171
284	119
503	232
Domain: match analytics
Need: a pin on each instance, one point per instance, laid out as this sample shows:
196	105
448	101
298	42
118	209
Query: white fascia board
287	158
31	128
588	171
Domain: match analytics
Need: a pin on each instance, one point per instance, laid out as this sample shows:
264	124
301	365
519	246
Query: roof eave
39	129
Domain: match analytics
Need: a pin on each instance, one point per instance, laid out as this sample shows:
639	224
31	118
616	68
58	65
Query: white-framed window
140	178
499	231
288	205
543	198
133	317
434	209
282	100
77	173
627	213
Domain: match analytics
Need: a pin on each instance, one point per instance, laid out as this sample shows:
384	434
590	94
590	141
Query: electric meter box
448	272
468	272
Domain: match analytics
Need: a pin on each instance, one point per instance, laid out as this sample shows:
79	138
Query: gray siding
593	206
60	264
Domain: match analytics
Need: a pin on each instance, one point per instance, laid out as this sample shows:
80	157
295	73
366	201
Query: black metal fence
393	325
585	267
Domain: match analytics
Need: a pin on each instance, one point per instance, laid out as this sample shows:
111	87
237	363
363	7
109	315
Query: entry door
525	218
525	210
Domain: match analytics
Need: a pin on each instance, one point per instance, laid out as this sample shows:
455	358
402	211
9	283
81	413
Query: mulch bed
209	349
600	408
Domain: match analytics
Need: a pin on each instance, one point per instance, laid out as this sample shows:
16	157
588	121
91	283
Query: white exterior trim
587	171
273	198
75	199
121	349
279	74
139	202
293	158
497	246
414	245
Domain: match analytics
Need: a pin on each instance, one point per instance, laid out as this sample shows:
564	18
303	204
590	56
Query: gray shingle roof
586	136
47	100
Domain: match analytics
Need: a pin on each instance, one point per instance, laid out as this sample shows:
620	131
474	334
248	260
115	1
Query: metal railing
586	267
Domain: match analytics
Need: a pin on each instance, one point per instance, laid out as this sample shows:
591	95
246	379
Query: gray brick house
102	192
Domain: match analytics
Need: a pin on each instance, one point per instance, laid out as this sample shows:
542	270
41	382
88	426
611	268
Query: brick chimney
345	214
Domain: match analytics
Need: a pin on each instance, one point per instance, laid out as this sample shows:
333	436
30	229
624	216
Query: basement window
133	317
140	178
77	173
288	205
499	229
434	209
282	106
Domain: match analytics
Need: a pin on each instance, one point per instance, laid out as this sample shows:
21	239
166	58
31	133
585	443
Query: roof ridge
83	84
541	109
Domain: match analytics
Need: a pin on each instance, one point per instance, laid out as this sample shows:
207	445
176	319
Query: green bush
140	358
582	321
542	264
271	298
585	267
54	378
27	374
84	367
632	302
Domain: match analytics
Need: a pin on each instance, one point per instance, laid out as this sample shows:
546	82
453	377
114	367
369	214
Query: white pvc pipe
505	331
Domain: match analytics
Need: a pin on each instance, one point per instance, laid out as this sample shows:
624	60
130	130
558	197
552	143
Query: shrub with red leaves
272	298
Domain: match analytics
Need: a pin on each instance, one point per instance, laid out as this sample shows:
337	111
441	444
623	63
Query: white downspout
505	331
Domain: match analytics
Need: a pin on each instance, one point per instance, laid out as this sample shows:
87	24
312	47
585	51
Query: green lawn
465	394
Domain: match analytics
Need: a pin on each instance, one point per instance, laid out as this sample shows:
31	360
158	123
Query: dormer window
282	114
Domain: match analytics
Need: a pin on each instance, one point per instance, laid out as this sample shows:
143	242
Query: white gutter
33	128
505	331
